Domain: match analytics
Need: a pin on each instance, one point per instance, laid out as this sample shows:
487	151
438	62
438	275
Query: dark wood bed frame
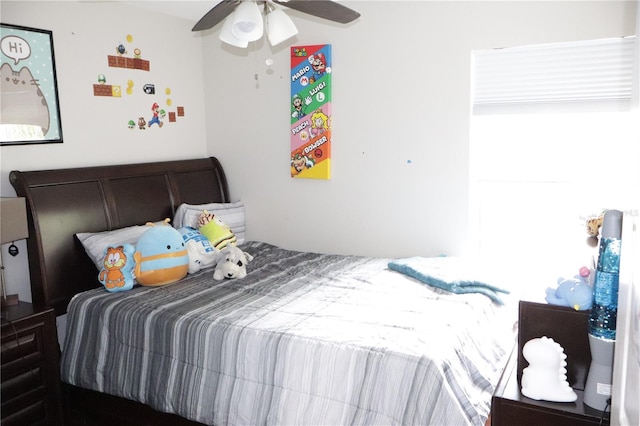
63	202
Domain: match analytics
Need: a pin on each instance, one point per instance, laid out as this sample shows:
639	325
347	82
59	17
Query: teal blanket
447	273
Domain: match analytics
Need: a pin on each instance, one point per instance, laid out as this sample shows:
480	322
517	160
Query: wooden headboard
63	202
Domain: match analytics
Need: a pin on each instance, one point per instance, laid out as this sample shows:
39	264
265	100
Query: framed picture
30	110
310	110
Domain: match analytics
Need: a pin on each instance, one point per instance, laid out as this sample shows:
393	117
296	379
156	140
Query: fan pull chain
255	65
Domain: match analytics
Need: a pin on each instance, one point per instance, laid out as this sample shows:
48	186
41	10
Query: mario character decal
301	162
319	123
157	116
300	106
121	50
311	111
155	108
319	65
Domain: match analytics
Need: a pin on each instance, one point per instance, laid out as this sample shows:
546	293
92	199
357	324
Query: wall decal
121	61
30	110
311	111
157	116
154	116
149	89
103	89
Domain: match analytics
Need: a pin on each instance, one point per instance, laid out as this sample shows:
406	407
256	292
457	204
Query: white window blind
582	75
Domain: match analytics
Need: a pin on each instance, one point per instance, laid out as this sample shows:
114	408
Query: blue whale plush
574	292
161	256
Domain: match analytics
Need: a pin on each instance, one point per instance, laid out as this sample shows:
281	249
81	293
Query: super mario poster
311	111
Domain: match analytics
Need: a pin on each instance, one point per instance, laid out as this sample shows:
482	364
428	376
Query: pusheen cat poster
311	111
30	110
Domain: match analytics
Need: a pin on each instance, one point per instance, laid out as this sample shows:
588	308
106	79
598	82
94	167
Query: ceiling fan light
227	36
279	27
247	22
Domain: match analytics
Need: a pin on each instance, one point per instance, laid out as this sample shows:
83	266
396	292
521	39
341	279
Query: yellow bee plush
217	232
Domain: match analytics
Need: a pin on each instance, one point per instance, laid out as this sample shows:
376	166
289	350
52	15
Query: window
551	145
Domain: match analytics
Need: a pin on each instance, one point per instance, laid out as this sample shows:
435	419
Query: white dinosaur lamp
546	376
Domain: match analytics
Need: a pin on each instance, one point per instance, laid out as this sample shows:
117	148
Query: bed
304	338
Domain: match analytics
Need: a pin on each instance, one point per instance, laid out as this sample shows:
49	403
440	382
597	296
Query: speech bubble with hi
15	48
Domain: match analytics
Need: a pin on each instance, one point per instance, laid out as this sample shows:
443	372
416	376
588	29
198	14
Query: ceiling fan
244	21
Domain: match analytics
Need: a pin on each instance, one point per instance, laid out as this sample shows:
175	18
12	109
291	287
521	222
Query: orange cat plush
117	268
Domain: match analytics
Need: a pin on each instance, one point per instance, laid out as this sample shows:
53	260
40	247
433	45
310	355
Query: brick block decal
102	90
129	63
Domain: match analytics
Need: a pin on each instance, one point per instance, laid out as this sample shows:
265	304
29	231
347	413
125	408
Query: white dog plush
231	263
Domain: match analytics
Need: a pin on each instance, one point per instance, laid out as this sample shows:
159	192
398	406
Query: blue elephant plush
574	292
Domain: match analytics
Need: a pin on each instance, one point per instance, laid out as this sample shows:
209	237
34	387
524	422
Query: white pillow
94	243
230	213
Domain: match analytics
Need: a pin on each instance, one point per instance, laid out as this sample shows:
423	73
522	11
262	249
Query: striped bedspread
303	339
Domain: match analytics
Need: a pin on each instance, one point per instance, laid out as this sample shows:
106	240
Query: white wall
625	408
401	89
400	94
94	128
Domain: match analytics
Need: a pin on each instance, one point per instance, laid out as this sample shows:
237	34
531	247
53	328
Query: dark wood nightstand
569	328
30	376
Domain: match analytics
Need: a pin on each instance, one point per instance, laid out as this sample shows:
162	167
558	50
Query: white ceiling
193	10
188	9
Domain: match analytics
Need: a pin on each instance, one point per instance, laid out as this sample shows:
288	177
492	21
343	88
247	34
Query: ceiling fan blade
325	9
216	15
